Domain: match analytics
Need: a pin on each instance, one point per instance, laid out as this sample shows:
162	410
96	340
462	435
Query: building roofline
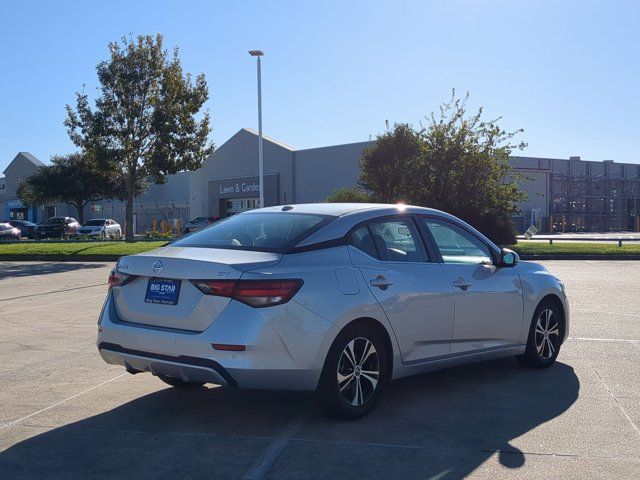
338	145
265	137
26	155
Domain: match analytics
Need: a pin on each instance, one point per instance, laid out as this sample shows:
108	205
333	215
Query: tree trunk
80	208
129	214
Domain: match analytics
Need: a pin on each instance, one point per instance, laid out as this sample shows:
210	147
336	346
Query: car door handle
381	282
461	284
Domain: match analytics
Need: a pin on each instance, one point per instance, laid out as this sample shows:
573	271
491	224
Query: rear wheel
179	383
545	336
355	373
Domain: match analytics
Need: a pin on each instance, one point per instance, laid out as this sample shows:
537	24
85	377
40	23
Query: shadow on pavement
441	425
29	269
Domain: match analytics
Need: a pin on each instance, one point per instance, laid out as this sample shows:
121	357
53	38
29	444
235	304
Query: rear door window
391	241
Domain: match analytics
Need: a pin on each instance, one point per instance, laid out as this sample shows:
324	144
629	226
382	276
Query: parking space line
53	291
615	399
594	339
269	457
588	310
65	302
624	412
61	402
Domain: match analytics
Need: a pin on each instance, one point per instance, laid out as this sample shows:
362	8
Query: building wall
237	159
19	168
320	171
565	194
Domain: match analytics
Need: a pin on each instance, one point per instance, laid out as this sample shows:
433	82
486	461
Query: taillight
256	293
117	279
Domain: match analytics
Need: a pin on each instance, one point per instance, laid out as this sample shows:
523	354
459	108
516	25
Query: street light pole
258	54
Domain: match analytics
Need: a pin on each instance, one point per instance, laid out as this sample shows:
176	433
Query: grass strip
568	248
75	249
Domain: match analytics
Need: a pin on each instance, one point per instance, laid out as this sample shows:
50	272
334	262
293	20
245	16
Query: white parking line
53	291
615	399
593	339
61	402
51	304
588	310
262	465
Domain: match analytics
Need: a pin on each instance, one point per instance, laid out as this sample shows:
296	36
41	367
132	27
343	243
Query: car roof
340	209
351	214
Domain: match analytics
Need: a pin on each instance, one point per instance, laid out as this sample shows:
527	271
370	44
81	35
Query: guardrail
619	240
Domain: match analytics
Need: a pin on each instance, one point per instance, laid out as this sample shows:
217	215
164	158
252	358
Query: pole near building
258	54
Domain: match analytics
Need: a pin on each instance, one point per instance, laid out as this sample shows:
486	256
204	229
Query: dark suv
27	229
57	227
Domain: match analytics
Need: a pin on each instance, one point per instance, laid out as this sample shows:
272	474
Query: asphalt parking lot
65	414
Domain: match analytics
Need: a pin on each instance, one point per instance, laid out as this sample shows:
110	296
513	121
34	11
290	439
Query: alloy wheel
547	334
358	371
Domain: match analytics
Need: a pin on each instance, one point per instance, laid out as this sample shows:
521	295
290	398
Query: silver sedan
337	298
100	227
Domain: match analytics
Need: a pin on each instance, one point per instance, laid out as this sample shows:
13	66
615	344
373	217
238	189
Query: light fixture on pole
258	54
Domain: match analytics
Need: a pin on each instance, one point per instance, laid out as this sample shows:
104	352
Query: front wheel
545	336
355	373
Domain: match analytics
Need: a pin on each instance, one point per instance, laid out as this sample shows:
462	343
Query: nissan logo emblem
157	266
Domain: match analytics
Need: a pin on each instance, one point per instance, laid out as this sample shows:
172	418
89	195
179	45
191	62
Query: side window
362	240
390	241
456	245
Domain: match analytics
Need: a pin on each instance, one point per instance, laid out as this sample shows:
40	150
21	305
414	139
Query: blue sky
566	72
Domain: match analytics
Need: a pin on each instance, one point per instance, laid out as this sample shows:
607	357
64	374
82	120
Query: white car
338	298
100	227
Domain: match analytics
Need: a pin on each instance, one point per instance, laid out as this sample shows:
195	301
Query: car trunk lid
140	300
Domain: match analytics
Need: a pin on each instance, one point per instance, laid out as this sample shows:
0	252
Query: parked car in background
338	298
100	227
57	227
198	223
8	232
26	228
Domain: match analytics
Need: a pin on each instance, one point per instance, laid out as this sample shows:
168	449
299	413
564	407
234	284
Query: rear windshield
55	220
94	223
265	232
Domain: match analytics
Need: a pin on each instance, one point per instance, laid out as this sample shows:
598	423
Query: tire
344	390
176	382
541	353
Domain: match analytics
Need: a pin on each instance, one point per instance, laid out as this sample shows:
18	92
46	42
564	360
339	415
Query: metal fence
150	217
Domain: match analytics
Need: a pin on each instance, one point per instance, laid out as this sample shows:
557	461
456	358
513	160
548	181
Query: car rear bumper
285	348
189	369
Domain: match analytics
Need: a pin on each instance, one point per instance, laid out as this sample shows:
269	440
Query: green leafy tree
458	163
349	195
145	123
74	179
386	167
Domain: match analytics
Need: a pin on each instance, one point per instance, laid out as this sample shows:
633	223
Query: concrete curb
580	257
59	258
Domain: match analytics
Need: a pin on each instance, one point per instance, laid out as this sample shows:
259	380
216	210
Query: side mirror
508	258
